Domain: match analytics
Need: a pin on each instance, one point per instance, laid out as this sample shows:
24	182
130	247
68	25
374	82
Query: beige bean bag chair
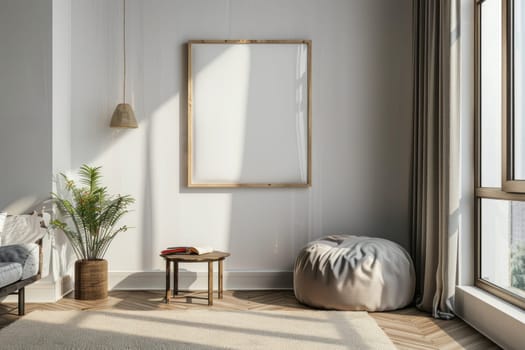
345	272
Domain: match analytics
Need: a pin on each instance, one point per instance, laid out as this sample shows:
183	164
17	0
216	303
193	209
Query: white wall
61	99
466	149
25	103
29	143
361	126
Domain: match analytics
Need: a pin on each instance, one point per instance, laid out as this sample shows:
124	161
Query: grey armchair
20	265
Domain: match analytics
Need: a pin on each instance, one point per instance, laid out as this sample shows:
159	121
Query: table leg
210	282
175	278
167	296
221	285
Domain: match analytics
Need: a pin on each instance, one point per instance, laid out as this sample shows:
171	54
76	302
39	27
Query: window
500	156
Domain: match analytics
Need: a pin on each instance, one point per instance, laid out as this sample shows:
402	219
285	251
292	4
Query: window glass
491	82
519	90
503	244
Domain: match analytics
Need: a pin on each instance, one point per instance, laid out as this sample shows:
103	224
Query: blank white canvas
250	113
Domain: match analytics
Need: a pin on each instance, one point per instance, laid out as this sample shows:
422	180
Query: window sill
498	320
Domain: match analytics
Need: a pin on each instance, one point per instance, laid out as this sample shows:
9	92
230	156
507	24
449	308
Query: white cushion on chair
3	215
22	229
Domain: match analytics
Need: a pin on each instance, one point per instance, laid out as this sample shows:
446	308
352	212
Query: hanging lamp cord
124	46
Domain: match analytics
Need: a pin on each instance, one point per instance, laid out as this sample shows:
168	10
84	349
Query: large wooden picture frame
249	113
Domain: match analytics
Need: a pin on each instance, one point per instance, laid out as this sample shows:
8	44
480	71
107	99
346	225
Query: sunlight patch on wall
302	109
230	69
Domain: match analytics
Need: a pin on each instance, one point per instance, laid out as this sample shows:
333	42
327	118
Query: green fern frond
90	216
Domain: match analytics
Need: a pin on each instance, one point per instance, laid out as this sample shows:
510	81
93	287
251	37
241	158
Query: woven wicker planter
91	279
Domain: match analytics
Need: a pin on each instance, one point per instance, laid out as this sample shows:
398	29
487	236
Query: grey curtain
435	158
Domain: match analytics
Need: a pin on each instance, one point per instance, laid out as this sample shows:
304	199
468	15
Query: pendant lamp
123	116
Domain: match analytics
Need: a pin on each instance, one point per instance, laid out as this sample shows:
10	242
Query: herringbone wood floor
408	328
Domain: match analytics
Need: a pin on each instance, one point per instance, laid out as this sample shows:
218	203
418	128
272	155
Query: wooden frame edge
505	103
496	193
189	181
501	293
477	139
508	182
249	185
189	162
251	41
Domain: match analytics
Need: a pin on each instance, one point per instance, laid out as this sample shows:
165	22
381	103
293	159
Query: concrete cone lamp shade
123	117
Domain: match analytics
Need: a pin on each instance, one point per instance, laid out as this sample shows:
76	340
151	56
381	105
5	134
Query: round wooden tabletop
213	256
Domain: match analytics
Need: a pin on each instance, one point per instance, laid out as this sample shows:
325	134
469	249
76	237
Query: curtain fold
435	157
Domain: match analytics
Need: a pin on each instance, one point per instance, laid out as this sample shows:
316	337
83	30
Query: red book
177	250
186	250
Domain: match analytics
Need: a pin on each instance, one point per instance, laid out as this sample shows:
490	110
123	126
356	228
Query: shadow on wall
283	215
148	224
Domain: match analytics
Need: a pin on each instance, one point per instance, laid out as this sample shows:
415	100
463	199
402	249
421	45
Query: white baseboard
44	291
48	291
237	280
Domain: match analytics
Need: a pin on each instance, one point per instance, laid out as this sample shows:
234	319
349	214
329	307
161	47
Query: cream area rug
194	329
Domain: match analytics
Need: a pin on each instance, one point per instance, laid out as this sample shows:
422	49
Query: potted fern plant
89	220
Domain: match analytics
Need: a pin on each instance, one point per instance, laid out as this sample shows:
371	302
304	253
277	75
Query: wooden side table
188	258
